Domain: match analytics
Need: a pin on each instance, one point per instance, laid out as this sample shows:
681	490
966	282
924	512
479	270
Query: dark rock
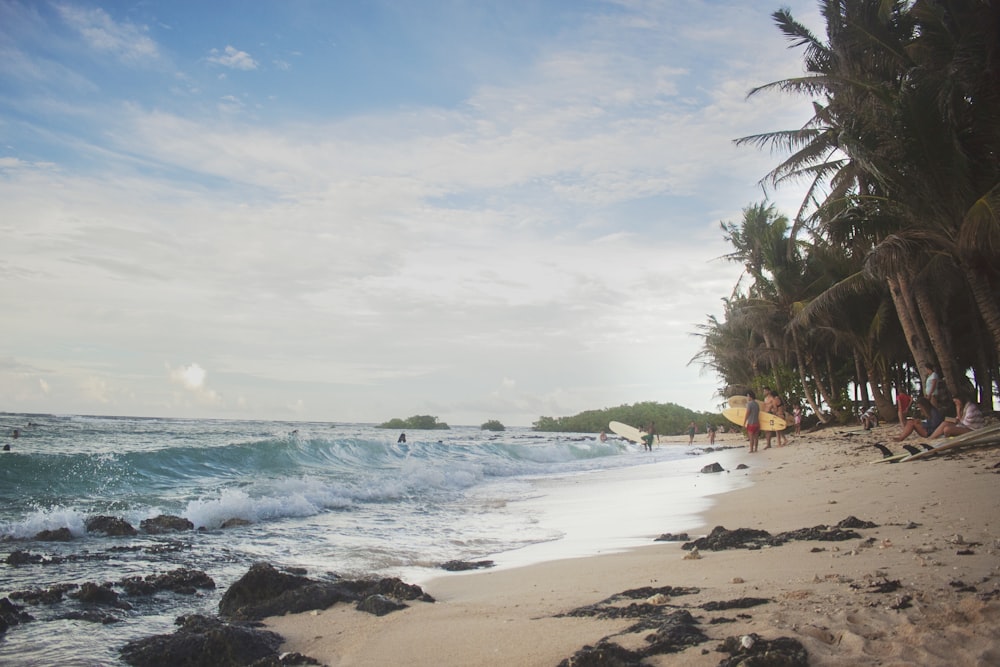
605	654
396	588
43	596
91	616
713	467
57	535
165	523
379	605
19	557
780	652
91	593
12	614
286	660
181	580
677	632
743	466
204	642
670	537
462	565
111	526
234	523
264	591
738	603
855	522
742	538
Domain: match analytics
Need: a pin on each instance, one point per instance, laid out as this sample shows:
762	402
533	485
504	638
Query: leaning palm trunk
915	337
986	299
940	341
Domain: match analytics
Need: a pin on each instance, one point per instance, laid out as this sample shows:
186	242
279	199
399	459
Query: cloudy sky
366	209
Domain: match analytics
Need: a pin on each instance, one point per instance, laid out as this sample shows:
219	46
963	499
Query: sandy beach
922	587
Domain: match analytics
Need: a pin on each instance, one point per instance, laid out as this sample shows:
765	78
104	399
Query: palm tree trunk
808	393
915	338
938	337
986	299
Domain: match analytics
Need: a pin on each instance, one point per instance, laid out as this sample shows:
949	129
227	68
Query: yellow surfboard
768	422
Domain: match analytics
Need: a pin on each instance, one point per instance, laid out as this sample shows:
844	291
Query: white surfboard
630	433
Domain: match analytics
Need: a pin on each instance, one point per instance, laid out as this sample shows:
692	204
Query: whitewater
329	498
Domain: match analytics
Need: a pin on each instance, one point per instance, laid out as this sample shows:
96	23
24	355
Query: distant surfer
401	438
604	436
752	420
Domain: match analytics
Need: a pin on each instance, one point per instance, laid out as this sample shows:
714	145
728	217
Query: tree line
669	418
892	262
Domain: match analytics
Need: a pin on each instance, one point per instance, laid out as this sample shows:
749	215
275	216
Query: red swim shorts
753	428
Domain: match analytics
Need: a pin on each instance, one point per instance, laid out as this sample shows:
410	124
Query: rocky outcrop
264	591
713	467
57	535
111	526
165	523
11	614
181	580
202	641
464	565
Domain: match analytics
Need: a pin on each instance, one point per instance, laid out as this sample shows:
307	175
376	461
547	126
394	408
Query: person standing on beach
774	405
691	431
752	420
797	413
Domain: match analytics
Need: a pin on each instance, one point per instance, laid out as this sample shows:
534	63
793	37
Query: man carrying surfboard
752	420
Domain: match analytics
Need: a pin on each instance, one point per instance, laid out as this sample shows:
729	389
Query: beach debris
677	632
670	537
743	466
658	599
738	603
738	580
694	554
902	602
463	565
713	467
165	523
747	641
722	538
112	526
780	652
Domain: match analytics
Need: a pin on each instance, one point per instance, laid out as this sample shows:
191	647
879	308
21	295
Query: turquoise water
332	498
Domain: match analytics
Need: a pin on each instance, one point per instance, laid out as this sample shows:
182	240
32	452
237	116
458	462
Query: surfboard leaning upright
768	422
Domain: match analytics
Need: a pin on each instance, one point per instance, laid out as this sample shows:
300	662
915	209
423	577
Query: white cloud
233	58
123	39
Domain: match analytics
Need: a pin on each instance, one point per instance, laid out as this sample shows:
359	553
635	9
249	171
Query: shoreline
936	536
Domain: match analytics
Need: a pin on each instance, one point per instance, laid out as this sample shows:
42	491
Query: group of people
968	416
774	405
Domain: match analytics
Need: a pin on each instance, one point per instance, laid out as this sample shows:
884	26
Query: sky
366	209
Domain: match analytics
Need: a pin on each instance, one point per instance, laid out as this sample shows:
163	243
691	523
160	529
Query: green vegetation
416	423
669	419
493	425
892	262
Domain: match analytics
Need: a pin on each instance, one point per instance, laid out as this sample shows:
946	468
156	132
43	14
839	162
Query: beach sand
937	535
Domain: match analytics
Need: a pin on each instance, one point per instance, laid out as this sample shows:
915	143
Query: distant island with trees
669	418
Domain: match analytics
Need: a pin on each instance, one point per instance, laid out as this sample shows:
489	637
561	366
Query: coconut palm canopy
892	262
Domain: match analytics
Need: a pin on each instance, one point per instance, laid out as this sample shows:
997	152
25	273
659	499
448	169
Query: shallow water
330	498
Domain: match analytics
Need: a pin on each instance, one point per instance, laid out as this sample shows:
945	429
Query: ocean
325	497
